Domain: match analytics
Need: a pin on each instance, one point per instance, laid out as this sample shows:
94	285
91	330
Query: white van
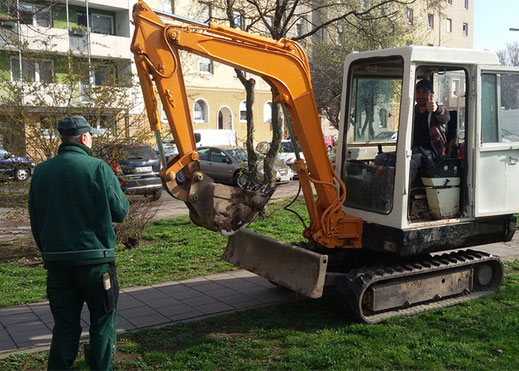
215	137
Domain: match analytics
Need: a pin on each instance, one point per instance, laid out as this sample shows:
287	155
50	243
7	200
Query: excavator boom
284	66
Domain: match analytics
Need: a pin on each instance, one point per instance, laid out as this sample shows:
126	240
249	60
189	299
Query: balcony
101	4
60	41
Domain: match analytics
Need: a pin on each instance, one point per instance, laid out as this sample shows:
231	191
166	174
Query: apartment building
99	33
449	23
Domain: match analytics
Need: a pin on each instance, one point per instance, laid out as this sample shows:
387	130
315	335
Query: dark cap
425	85
75	125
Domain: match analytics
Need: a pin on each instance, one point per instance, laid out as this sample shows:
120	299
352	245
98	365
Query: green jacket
73	200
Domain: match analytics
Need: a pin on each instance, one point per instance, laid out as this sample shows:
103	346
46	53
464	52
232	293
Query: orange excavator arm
284	66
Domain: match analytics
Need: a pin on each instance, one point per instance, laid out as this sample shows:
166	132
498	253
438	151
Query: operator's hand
431	104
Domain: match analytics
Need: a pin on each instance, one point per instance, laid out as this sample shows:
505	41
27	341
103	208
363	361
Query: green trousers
67	290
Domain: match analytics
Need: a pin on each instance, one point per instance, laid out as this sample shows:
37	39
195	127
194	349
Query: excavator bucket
286	265
223	208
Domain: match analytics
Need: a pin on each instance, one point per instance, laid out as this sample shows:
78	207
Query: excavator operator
429	132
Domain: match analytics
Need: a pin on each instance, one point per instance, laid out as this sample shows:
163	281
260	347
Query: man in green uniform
73	200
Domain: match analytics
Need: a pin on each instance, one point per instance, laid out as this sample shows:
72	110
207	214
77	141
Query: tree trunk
252	157
268	164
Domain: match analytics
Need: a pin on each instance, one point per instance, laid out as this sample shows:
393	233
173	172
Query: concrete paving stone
260	281
220	293
19	318
238	283
7	345
165	284
192	282
181	316
247	304
35	335
136	288
234	299
251	289
214	308
161	303
33	343
136	312
207	287
4	335
219	277
183	292
150	320
242	273
175	310
148	294
10	311
201	300
123	324
40	308
275	298
24	326
127	302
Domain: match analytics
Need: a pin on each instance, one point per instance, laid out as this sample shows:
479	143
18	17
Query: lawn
172	249
312	334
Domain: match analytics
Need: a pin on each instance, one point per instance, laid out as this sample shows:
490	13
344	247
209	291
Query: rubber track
357	282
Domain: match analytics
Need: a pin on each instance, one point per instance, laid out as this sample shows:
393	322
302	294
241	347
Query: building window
33	15
455	88
206	66
409	16
99	23
449	25
32	70
200	111
430	20
104	75
243	112
267	112
166	6
238	19
449	2
300	27
466	4
465	29
204	12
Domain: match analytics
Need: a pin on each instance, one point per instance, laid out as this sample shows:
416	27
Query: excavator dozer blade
286	265
223	208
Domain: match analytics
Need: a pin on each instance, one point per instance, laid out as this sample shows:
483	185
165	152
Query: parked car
15	167
137	166
228	165
286	152
328	143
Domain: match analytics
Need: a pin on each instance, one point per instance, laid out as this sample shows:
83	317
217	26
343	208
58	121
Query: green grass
313	334
173	249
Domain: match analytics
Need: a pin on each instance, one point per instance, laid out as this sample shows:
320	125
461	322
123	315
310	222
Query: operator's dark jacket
73	200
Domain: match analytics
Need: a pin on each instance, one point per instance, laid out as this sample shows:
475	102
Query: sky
492	20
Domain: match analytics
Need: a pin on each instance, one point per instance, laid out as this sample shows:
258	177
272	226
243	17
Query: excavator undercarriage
372	285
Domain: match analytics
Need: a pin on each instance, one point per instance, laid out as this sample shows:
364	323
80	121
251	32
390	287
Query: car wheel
22	173
155	195
240	179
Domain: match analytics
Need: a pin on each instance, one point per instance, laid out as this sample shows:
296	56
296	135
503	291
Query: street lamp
513	29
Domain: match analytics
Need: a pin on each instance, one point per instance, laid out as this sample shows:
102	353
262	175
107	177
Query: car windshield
238	154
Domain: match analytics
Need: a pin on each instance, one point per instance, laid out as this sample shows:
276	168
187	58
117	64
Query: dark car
14	167
137	166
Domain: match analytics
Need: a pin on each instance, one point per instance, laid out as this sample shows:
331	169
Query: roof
429	54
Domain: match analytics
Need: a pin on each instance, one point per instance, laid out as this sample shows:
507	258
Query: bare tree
510	55
306	21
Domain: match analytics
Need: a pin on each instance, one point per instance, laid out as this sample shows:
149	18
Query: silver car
228	165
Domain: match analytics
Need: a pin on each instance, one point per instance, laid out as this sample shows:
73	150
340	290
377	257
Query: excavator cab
452	202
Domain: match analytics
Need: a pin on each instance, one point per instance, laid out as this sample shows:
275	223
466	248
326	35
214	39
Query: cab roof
429	54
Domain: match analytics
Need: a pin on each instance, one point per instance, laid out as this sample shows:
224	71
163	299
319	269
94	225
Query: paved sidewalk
28	327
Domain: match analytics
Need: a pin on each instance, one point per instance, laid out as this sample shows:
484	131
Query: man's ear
84	138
